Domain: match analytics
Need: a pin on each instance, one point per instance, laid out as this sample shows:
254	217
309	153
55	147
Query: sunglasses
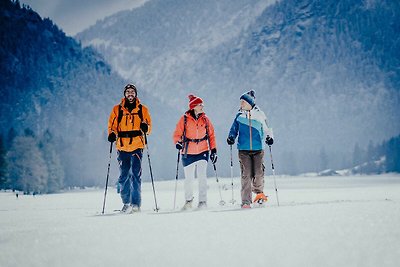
130	86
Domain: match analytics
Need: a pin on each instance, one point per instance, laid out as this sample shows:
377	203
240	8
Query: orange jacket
127	130
195	129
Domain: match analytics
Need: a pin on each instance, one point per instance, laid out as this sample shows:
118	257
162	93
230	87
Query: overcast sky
73	16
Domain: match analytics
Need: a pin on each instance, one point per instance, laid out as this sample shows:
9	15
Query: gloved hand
213	155
179	145
230	140
269	140
112	137
144	127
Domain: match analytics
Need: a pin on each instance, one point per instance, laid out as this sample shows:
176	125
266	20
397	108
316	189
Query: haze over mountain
325	72
52	88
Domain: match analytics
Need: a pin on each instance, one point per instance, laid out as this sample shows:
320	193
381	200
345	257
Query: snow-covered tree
358	155
27	168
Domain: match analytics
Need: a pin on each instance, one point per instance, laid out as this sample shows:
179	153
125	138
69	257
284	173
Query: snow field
321	221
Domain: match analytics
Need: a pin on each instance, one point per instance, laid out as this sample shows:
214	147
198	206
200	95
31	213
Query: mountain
51	85
325	72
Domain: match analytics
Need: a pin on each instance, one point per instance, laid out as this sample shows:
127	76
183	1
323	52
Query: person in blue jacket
251	127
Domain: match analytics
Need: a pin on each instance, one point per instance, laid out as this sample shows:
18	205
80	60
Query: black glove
179	145
213	155
112	137
230	140
269	140
144	127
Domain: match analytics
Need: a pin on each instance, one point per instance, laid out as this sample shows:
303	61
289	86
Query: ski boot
188	205
245	205
202	205
135	208
126	209
260	200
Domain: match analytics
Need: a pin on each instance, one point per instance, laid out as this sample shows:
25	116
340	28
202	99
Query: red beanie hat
194	101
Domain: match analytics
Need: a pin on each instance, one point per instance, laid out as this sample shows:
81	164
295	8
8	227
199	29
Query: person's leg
189	171
124	161
258	181
201	167
136	161
246	170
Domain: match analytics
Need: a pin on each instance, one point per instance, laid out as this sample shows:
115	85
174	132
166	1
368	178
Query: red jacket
195	133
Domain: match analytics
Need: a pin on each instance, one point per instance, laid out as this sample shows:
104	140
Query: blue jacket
252	128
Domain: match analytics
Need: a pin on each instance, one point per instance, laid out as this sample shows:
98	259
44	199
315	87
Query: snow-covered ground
321	221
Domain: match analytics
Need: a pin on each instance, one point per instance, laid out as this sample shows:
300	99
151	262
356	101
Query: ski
179	211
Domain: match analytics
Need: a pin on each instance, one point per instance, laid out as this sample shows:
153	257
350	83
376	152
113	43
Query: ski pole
233	199
151	172
176	177
273	174
108	174
222	202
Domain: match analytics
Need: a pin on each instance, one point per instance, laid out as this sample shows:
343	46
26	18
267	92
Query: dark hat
130	86
249	97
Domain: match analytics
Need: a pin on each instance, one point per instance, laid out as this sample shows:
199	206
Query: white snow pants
199	167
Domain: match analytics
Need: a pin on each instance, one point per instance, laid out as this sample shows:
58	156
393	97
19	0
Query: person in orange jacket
128	123
194	136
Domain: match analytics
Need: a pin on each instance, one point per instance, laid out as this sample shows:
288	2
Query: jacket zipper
251	136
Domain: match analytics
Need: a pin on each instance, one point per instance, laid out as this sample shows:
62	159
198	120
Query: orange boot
260	198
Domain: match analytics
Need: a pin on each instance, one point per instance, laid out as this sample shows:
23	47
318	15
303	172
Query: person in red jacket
194	136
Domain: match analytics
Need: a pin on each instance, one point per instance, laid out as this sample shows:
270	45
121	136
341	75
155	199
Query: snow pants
130	166
252	171
199	167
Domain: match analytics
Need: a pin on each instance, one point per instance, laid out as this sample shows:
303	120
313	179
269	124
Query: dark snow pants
130	166
252	170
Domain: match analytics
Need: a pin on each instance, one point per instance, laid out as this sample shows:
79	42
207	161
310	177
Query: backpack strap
207	135
120	114
140	114
184	139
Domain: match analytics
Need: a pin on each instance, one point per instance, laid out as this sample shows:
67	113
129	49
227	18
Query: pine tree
11	135
323	159
51	156
3	165
27	168
358	155
371	152
393	155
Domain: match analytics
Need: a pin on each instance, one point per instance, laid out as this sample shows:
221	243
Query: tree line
380	158
30	163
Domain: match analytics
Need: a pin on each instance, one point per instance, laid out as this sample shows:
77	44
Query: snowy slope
335	221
